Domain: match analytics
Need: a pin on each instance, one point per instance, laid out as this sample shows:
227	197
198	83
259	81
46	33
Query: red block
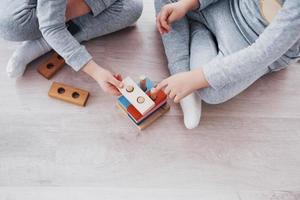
159	101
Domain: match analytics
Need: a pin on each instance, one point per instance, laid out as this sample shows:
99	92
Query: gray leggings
18	20
211	33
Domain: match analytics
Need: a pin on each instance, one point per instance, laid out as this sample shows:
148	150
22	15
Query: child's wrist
201	79
92	69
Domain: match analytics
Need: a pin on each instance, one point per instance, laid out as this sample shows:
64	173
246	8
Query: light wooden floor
248	147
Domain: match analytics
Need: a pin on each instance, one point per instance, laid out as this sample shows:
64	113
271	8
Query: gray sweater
51	17
276	44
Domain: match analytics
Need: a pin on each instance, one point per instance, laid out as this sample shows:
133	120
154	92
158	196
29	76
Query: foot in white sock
27	52
191	108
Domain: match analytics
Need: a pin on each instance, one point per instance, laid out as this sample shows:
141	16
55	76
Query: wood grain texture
247	148
68	94
51	66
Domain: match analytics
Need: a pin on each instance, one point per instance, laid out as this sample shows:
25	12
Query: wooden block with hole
68	94
51	66
159	98
136	96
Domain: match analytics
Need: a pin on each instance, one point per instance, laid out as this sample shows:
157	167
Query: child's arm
51	16
274	42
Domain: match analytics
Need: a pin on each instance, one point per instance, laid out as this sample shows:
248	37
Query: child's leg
176	42
119	15
202	49
177	48
18	21
229	40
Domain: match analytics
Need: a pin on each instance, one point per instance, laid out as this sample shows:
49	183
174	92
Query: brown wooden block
69	94
51	66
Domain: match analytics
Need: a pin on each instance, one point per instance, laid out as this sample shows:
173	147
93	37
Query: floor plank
249	145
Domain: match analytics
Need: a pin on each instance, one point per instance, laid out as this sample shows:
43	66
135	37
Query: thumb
116	82
161	85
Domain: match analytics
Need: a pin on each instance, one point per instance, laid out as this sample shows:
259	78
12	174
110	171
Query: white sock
27	52
191	108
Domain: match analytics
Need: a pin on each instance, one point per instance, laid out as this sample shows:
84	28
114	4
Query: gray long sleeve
51	17
275	41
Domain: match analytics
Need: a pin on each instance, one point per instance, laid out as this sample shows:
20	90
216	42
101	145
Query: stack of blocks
140	103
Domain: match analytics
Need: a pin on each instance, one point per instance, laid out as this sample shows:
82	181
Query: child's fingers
161	85
158	25
113	90
118	77
160	28
177	98
115	82
164	20
165	25
172	94
167	90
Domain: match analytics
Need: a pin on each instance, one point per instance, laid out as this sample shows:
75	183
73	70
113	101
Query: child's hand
110	83
169	14
180	85
107	81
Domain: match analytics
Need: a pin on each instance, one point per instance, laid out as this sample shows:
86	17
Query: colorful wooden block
51	66
138	98
69	94
150	119
161	99
143	121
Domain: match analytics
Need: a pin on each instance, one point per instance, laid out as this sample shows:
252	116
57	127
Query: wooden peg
133	93
69	94
52	66
143	84
153	94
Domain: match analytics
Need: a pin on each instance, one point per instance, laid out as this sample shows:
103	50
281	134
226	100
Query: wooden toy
152	118
153	95
143	83
69	94
51	66
144	120
138	117
138	98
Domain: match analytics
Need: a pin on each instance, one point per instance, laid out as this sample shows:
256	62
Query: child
216	49
42	25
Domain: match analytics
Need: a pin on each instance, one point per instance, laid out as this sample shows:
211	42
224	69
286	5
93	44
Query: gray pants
18	20
202	36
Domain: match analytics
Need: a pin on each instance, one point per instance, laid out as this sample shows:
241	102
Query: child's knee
16	28
132	10
136	9
212	96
